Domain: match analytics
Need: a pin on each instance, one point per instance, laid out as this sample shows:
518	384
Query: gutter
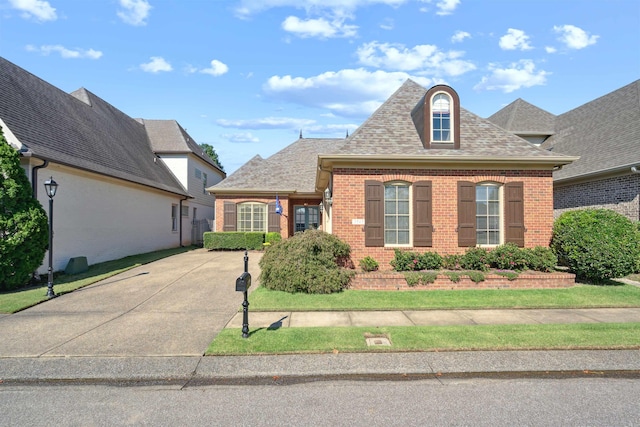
634	169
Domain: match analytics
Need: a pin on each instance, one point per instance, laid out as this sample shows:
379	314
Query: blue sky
247	75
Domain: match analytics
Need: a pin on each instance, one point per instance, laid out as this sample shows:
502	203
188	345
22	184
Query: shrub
510	275
253	240
231	240
412	261
475	276
272	237
404	260
429	261
24	227
415	278
596	244
368	264
476	259
306	262
452	262
508	257
453	276
541	259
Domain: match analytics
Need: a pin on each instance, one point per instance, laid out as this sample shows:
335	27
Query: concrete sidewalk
286	319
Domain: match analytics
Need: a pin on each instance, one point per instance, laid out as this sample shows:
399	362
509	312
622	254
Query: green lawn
579	296
429	338
13	301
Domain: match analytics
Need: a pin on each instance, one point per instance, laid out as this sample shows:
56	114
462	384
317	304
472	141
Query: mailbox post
243	283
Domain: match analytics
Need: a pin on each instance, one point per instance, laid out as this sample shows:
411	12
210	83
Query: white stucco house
126	186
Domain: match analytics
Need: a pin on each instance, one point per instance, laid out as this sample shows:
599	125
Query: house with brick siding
421	173
603	133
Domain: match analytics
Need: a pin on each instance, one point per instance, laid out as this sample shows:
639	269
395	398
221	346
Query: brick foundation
391	281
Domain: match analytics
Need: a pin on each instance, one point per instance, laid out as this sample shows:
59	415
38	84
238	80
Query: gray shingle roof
521	118
291	169
391	131
167	136
605	133
79	130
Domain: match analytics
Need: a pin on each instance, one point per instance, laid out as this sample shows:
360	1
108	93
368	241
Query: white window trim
264	220
451	139
399	245
500	214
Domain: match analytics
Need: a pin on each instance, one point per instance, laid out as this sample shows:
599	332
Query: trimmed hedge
238	240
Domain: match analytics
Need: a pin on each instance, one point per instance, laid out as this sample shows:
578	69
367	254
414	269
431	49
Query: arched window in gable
441	118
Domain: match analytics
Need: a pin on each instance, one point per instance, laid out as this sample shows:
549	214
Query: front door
307	217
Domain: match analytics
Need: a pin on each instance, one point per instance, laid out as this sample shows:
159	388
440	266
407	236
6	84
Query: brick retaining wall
391	281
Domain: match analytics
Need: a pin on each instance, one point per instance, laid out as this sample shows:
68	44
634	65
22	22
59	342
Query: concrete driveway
171	307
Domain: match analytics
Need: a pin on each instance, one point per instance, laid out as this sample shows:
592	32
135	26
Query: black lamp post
51	186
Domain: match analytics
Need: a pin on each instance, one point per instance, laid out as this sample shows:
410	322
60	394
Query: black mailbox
243	283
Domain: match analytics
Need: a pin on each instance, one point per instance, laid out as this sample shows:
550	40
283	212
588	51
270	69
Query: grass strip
429	338
579	296
13	301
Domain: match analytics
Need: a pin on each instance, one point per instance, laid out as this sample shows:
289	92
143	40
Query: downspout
34	177
180	216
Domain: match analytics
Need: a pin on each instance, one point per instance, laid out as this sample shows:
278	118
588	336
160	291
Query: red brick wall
348	204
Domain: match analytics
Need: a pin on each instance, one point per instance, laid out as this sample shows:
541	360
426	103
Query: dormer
437	118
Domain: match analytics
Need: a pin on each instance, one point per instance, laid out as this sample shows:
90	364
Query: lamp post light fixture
51	186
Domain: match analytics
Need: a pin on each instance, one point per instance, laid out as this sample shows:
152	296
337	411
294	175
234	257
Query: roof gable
523	118
167	136
79	130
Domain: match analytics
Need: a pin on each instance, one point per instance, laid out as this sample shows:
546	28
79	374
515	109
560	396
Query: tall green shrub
24	228
307	262
596	244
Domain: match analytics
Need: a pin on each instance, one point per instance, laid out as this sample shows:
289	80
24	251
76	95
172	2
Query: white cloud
156	65
320	27
550	49
446	7
240	137
574	37
515	39
37	9
335	7
459	36
217	68
423	58
64	52
388	24
135	11
348	92
266	123
518	75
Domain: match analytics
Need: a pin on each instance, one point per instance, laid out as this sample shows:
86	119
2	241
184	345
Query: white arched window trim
442	118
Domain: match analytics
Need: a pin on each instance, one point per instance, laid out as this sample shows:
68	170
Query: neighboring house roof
167	136
290	170
605	133
523	118
79	130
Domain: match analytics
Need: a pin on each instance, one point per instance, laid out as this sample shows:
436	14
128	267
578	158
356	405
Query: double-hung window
397	224
488	214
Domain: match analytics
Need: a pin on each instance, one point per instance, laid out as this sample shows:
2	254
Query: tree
24	228
211	152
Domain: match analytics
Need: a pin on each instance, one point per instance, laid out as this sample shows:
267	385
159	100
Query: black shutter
373	213
422	208
273	219
229	217
514	213
466	214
